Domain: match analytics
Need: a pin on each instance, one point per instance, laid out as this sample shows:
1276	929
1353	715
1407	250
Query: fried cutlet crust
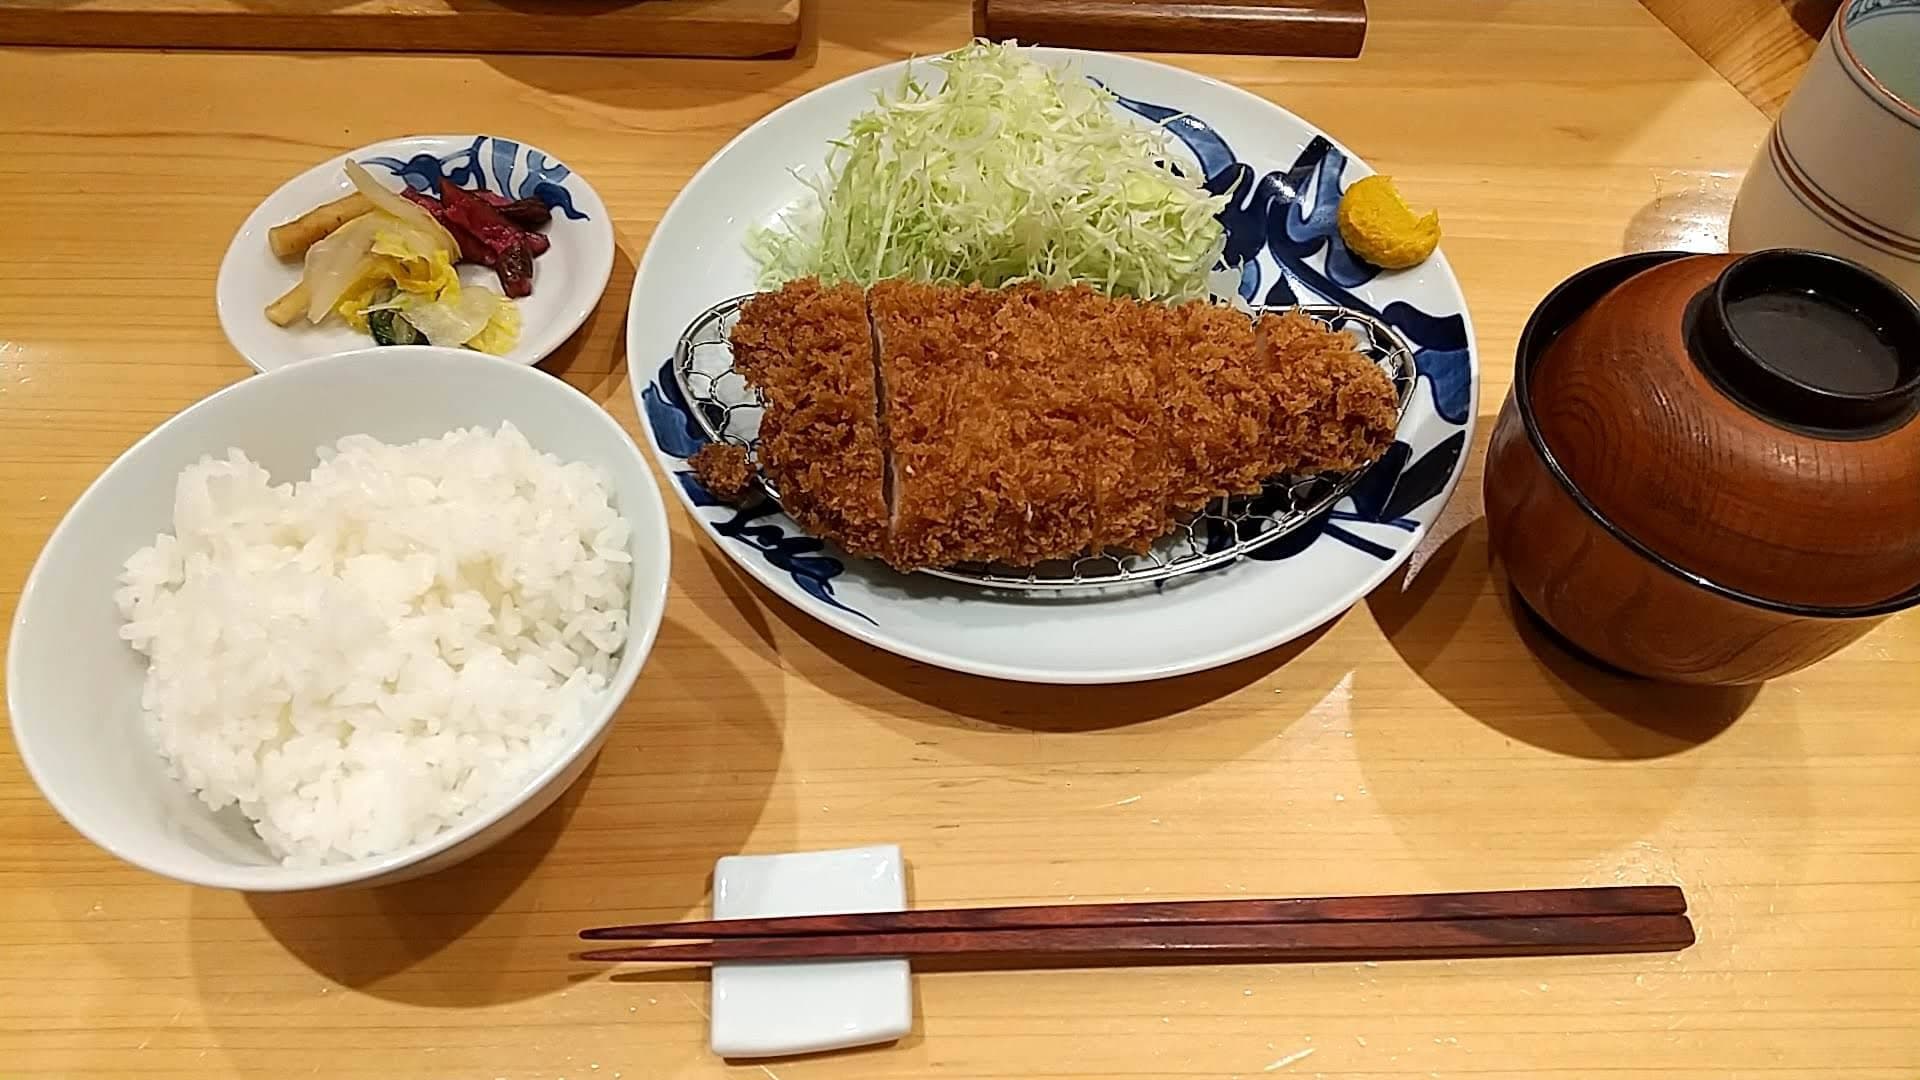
1333	409
1100	352
983	429
1044	455
1027	424
809	351
724	469
1219	405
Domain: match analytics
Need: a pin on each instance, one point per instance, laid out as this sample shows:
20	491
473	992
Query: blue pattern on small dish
489	164
760	526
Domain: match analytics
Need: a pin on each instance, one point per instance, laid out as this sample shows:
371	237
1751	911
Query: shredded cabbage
1011	171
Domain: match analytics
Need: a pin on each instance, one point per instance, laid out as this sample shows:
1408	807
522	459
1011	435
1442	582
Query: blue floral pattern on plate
759	525
490	164
1283	218
1289	217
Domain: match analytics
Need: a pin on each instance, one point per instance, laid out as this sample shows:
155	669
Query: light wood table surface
1760	46
1423	741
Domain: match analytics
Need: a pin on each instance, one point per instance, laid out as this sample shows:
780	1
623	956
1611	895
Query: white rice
362	658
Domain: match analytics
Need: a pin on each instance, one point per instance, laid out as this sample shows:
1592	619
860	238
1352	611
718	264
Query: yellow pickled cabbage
502	331
354	306
390	260
339	263
415	265
412	275
458	318
397	206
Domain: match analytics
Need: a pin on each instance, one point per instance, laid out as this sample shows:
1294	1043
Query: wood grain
1647	435
1568	568
1760	46
715	28
1425	741
1619	606
1269	27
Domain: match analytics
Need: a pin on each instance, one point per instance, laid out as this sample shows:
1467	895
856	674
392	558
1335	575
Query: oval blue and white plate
567	281
1281	233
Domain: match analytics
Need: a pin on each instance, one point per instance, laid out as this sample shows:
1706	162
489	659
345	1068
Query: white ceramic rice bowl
73	686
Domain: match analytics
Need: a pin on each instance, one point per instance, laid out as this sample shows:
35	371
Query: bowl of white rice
344	624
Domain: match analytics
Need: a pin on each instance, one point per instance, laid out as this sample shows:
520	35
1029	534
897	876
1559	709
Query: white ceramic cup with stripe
1840	171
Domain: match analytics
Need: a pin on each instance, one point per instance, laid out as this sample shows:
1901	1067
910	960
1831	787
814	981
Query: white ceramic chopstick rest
774	1009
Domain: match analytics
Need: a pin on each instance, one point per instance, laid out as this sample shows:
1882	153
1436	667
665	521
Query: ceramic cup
1840	171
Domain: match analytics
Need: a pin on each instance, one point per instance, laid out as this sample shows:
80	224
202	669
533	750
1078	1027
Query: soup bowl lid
1747	420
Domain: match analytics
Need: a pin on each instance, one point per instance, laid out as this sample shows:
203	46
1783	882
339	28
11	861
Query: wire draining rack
728	409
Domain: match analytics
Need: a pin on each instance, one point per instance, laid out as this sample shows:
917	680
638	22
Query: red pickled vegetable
512	256
484	224
529	214
471	249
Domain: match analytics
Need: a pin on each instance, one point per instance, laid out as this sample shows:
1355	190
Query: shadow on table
682	780
748	600
1502	672
653	83
897	686
593	359
414	941
1586	768
1192	723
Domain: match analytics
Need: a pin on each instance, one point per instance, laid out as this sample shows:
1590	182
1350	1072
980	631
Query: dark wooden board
1265	27
719	28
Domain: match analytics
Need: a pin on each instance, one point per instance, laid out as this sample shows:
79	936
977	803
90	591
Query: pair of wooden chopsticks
1537	922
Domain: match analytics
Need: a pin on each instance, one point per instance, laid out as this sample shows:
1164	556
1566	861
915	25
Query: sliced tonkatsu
1334	409
809	350
930	425
989	451
1100	356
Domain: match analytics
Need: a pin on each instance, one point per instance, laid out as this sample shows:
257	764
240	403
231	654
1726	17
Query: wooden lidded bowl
1708	469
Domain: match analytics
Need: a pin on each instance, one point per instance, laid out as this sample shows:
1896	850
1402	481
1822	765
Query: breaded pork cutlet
1333	409
1215	386
1024	424
981	413
1102	351
809	351
724	469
